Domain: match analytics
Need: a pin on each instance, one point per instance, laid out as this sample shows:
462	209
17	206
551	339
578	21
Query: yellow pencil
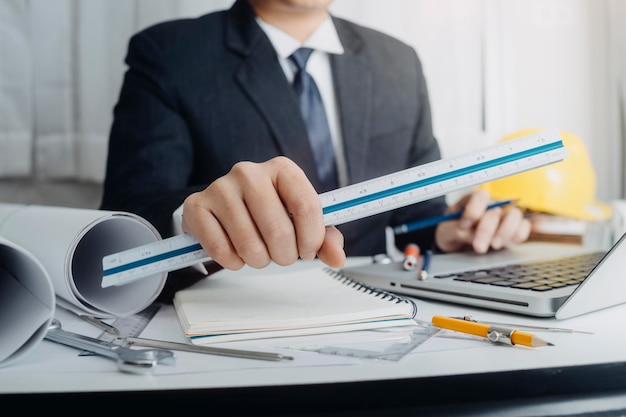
496	334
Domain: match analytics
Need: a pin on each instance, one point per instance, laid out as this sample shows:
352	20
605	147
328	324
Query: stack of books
558	229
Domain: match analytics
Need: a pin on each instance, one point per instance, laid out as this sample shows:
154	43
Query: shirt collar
325	39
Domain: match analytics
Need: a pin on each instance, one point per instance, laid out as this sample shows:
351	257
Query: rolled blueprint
70	243
26	302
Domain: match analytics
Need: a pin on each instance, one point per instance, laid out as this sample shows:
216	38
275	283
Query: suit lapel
353	78
262	79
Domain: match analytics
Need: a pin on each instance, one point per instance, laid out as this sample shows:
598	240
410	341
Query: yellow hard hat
566	188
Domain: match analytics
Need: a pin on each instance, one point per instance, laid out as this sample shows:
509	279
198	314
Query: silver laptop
535	279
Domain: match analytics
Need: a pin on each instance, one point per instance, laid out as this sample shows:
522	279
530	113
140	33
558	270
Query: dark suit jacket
202	94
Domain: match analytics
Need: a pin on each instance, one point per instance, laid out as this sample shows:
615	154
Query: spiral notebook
294	303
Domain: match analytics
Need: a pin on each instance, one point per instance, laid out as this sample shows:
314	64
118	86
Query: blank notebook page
311	298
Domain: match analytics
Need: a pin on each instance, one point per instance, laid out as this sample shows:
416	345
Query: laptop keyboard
542	275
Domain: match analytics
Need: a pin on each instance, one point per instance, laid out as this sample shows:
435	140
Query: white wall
493	67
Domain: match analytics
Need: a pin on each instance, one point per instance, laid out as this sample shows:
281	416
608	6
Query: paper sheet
26	302
70	243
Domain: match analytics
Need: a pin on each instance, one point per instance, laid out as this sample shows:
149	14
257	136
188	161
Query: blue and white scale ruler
361	200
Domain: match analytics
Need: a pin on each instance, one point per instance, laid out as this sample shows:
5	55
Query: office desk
460	376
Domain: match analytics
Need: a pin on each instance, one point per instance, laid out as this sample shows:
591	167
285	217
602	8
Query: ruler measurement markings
397	200
128	326
361	200
393	352
436	178
154	258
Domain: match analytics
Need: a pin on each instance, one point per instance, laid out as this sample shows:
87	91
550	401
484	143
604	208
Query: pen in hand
432	221
495	334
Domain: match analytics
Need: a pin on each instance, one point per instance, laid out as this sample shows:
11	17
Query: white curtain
448	35
61	66
497	66
16	89
617	74
492	67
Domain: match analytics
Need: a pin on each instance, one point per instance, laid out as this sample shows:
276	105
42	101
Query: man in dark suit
207	125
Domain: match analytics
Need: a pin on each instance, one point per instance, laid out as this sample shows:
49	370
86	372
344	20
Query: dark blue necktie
312	109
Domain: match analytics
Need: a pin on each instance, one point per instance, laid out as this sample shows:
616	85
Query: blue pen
432	221
423	274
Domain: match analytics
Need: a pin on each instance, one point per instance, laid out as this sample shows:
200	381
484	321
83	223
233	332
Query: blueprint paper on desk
53	256
26	302
50	357
70	244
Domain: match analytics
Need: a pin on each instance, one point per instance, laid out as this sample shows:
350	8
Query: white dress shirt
323	41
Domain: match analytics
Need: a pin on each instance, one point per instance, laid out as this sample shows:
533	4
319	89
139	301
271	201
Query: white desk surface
53	368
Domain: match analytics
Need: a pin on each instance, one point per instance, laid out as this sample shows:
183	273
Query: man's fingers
304	207
513	229
474	208
331	252
486	230
267	210
206	228
258	213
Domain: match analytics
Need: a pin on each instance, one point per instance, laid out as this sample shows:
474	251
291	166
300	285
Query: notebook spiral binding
376	292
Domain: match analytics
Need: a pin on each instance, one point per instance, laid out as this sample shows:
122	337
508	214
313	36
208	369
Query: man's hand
481	229
262	212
